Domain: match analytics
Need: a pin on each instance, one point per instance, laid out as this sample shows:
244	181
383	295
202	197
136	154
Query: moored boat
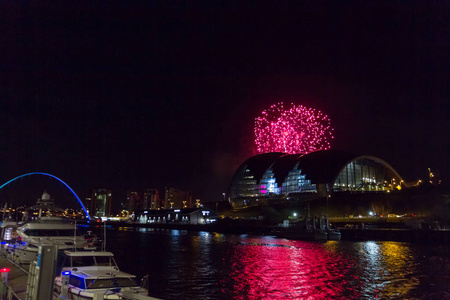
87	274
42	225
334	235
310	228
304	234
92	241
8	234
43	232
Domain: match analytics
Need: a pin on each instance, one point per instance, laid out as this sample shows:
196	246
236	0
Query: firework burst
297	129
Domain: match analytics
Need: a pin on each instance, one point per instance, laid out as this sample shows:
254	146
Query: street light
431	175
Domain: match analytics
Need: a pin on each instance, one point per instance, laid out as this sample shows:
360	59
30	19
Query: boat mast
75	236
4	211
104	236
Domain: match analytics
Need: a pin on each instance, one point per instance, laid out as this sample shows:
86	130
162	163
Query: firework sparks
297	129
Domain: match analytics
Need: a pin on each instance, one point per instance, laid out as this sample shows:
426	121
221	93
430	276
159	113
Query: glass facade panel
296	182
360	175
101	205
245	185
365	175
268	184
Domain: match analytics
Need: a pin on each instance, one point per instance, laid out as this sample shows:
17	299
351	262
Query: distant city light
53	176
296	129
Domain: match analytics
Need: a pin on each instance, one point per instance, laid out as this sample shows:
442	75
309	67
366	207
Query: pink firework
297	129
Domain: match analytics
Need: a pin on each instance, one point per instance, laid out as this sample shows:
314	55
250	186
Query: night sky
146	94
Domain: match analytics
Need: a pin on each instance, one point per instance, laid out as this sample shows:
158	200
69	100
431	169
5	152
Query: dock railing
6	293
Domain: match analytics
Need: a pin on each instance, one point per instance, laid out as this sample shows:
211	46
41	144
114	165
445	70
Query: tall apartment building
177	199
134	201
151	199
99	203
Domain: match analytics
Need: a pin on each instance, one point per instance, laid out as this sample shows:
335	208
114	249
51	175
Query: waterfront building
45	200
99	204
187	216
276	177
198	204
88	203
151	199
134	201
175	198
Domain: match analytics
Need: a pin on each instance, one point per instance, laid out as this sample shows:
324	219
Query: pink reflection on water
282	269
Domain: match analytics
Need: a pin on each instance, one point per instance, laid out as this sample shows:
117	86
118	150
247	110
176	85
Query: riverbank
348	234
426	236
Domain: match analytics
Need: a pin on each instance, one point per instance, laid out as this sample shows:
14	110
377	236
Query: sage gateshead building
276	177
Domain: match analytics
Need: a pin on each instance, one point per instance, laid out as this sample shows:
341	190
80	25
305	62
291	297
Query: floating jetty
13	280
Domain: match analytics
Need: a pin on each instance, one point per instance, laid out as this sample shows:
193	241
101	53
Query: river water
201	265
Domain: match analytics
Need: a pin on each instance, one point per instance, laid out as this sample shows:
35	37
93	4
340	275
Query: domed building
272	178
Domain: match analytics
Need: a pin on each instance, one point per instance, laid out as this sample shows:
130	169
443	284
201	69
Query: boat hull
334	236
313	235
80	294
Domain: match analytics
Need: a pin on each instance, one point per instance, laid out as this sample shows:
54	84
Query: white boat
92	241
42	225
27	238
7	230
8	234
95	275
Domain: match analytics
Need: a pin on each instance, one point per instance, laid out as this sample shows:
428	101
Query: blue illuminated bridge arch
53	176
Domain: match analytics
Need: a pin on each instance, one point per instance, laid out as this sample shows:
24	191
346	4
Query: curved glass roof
272	174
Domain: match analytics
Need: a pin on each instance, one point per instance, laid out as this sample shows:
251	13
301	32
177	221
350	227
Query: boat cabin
85	283
8	232
89	259
95	270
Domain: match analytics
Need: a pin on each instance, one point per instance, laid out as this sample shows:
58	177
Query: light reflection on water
302	270
387	269
202	265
